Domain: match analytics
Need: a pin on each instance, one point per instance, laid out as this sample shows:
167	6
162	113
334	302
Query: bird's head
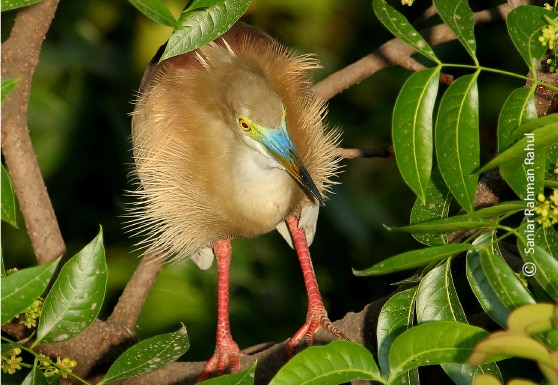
260	118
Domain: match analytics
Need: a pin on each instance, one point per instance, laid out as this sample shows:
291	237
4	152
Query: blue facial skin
278	144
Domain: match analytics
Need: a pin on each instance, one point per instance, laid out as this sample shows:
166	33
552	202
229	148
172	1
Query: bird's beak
279	145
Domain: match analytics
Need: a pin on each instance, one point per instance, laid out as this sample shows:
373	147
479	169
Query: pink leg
317	315
227	353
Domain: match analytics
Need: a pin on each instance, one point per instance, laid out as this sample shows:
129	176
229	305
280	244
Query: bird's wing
307	221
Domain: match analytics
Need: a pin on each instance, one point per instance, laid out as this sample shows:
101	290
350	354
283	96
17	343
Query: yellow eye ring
244	124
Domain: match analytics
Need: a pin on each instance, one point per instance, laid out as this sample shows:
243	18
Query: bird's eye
244	124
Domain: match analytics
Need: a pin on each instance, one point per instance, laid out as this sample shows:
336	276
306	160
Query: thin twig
353	153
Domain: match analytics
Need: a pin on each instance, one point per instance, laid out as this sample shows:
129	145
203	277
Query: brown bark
20	56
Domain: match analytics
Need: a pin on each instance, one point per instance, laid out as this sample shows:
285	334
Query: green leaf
439	342
463	374
531	319
533	184
459	17
76	297
435	206
202	22
534	124
551	154
538	249
414	258
532	157
524	27
8	5
21	288
412	129
448	225
149	355
8	84
400	27
508	344
518	108
410	377
504	208
157	11
529	174
524	150
437	300
457	139
8	199
396	316
475	220
506	285
335	363
489	301
245	377
491	380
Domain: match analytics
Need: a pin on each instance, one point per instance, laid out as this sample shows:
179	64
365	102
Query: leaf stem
503	236
502	72
510	230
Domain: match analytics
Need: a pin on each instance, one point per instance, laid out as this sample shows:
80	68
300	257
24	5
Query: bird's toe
226	359
314	321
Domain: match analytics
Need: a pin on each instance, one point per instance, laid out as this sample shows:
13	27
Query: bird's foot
225	359
314	319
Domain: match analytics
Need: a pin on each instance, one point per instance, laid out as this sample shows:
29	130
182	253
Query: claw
225	359
314	320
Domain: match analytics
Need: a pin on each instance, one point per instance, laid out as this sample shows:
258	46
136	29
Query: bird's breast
259	196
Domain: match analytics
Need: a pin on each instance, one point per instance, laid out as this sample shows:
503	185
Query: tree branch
20	55
359	327
135	293
395	52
